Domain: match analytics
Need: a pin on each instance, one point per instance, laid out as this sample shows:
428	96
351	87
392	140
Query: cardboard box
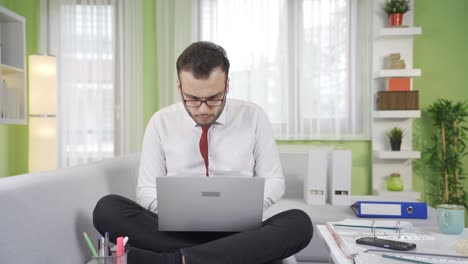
398	100
398	84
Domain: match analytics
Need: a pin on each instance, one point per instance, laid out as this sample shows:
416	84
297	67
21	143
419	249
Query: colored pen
90	245
120	246
102	251
106	245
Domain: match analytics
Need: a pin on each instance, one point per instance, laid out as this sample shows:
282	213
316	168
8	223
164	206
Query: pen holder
109	260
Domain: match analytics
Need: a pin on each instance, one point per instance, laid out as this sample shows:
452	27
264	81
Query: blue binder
374	209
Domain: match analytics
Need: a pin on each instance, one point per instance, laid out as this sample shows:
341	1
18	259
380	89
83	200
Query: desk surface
316	251
337	256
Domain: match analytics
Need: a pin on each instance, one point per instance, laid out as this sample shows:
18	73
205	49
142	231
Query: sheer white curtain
305	62
98	47
176	28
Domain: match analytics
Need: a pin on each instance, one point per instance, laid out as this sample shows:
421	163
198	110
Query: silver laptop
225	204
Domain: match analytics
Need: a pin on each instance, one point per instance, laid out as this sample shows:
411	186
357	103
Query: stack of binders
328	177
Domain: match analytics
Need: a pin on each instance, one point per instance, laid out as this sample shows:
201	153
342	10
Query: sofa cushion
46	213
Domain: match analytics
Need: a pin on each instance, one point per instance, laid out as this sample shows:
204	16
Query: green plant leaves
448	147
396	6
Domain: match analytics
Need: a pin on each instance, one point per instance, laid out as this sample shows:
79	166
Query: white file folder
315	182
339	178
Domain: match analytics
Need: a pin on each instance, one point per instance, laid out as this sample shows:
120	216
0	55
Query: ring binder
376	209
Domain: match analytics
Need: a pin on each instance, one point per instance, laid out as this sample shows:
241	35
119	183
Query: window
88	85
304	62
100	89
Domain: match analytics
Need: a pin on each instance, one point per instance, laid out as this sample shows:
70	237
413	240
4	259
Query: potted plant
395	10
447	150
395	135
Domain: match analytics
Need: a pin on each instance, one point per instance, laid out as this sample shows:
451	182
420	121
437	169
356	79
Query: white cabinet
384	161
13	109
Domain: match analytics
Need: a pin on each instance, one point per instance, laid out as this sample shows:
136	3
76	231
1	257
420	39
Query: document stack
431	247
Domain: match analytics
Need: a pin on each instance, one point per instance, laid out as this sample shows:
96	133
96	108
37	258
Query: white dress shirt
240	142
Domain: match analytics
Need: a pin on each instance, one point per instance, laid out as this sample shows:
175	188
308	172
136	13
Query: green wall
441	52
14	138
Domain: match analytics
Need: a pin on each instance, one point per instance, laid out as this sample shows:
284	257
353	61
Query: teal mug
451	218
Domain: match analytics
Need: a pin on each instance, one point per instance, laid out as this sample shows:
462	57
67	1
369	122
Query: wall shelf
397	155
397	114
399	31
7	69
12	121
398	73
13	93
399	196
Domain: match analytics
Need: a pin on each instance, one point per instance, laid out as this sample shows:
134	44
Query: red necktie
204	146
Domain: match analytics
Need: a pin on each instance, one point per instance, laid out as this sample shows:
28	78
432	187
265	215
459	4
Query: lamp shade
42	112
42	144
42	85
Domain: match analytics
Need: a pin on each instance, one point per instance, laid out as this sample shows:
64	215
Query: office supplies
379	209
120	246
114	259
369	224
199	203
405	259
315	182
90	245
106	244
125	240
339	179
385	243
102	252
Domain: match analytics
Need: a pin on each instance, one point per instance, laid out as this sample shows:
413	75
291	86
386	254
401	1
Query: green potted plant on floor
395	10
395	135
448	148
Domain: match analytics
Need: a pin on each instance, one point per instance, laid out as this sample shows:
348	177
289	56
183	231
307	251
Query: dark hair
200	58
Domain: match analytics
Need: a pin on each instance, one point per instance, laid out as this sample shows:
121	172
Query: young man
205	134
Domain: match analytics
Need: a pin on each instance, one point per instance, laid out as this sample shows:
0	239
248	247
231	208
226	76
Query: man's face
215	87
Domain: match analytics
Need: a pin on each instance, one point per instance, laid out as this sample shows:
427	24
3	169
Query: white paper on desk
382	224
366	258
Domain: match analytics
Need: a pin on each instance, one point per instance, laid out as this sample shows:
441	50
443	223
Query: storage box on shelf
13	109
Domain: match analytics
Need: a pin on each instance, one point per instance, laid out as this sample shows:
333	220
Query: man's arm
267	161
152	165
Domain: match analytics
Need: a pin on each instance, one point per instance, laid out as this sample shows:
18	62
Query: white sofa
43	215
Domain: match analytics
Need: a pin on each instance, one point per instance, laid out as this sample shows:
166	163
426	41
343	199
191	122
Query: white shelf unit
399	196
399	32
398	155
398	73
397	114
13	95
384	161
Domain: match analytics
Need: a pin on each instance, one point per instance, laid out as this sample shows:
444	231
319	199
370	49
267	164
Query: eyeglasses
208	102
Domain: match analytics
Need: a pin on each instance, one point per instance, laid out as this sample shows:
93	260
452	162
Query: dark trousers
279	237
